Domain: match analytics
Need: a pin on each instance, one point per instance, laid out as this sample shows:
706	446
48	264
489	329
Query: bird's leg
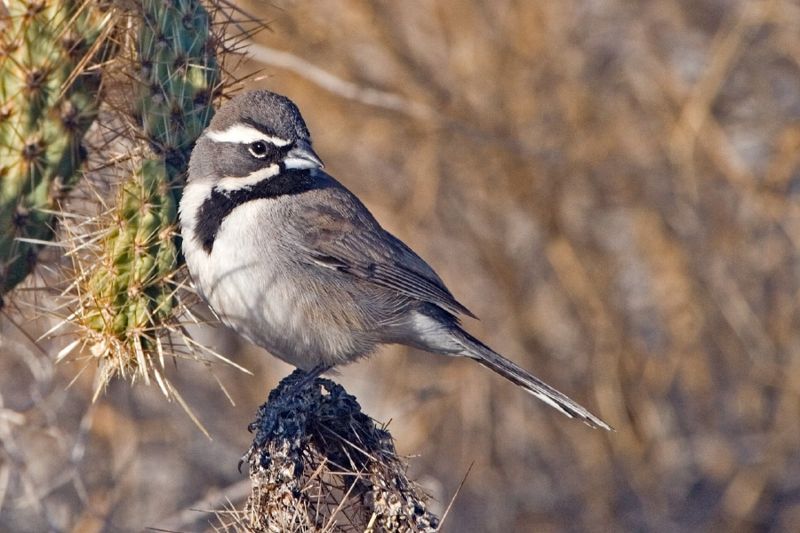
282	406
311	375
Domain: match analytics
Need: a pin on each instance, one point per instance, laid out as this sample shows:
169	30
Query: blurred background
612	186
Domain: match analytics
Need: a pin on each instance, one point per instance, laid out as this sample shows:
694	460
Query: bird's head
254	136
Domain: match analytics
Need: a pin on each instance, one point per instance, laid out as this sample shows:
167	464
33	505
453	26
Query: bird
295	263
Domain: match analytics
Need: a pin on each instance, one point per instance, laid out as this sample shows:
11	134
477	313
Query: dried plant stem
318	463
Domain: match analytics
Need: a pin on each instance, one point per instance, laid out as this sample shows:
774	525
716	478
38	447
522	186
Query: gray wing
344	236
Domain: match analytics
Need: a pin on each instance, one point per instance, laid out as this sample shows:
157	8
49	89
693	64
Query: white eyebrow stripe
242	134
231	183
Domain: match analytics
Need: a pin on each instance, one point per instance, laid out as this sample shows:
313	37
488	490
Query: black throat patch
221	202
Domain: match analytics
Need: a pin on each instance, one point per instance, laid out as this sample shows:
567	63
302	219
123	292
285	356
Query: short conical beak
302	156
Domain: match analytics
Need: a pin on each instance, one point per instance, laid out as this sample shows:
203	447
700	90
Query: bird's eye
258	149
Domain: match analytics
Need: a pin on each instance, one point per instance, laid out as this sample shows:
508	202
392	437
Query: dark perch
318	463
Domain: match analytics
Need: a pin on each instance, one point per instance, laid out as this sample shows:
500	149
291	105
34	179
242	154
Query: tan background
612	186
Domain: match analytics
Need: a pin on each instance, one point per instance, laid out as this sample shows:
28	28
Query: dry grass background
611	185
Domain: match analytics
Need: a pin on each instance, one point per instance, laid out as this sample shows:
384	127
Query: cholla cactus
179	73
48	99
128	292
128	270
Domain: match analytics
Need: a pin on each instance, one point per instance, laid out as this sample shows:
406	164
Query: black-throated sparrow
294	262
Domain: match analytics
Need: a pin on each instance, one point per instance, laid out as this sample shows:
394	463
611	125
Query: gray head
251	136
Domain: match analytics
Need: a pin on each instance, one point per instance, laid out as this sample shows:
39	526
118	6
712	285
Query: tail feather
478	351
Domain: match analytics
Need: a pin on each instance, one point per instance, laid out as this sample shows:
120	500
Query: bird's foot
309	377
284	408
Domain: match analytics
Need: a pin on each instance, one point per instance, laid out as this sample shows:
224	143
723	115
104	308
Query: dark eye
258	149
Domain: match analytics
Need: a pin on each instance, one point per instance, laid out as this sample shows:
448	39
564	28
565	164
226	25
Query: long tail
478	351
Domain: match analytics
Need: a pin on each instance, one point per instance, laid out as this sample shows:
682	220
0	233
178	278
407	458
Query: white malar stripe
242	134
235	183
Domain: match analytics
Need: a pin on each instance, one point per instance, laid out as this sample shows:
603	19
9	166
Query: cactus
179	74
127	294
127	287
48	99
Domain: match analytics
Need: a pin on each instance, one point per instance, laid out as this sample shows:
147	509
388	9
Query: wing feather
352	242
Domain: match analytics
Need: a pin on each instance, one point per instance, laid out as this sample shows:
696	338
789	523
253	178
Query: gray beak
302	156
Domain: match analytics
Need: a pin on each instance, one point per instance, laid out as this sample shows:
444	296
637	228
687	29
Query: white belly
255	288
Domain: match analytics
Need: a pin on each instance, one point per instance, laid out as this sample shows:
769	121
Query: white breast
239	279
255	289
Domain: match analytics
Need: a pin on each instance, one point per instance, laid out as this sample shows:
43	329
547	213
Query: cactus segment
128	299
48	100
